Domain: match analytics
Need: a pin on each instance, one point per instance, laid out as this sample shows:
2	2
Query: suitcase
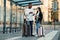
40	32
26	30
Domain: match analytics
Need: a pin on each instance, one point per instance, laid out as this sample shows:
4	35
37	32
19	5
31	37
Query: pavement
18	35
59	37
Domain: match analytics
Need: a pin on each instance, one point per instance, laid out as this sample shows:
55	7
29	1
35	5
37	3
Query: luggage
40	32
26	30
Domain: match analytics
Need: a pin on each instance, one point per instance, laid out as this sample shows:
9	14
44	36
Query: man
29	12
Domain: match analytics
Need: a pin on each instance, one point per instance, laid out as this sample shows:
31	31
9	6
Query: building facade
47	10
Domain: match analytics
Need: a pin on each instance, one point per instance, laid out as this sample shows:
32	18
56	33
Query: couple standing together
29	13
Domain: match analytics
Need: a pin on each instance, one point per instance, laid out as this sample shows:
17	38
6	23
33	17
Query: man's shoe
33	35
26	35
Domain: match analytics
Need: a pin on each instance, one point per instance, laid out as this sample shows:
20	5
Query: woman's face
37	9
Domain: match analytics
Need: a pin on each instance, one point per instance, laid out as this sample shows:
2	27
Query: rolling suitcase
40	32
26	30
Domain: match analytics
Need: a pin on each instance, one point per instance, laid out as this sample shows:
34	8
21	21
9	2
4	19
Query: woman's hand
38	17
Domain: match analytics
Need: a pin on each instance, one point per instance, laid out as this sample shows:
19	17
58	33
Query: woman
39	17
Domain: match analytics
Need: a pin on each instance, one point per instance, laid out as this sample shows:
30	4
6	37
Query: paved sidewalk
18	35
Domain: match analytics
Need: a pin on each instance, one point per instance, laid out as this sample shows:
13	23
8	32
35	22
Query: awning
34	4
26	2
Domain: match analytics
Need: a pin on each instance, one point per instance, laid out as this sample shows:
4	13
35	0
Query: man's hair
30	3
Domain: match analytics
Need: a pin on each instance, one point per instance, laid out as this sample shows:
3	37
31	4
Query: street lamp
54	9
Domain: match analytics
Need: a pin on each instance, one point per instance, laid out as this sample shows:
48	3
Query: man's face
30	5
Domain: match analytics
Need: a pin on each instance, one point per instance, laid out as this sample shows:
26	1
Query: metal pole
0	7
54	24
55	10
16	17
54	20
10	16
4	24
20	19
23	24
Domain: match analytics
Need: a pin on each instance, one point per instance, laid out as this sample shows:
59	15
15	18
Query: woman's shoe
36	35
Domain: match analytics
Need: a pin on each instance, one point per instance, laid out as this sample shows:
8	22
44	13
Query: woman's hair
38	9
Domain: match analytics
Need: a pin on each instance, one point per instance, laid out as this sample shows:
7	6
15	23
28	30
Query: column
59	10
45	8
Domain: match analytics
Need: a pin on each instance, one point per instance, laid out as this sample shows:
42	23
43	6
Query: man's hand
30	12
33	14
